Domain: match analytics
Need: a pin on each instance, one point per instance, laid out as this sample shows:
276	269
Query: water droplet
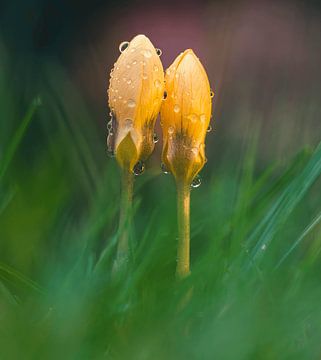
129	81
110	126
176	108
128	123
139	168
159	52
131	103
155	68
144	76
134	62
209	129
263	247
123	46
170	130
203	117
194	151
116	90
212	93
165	95
110	140
155	138
147	53
128	66
192	117
196	182
157	83
164	169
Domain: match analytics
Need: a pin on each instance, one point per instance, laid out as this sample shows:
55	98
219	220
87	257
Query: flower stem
183	217
126	201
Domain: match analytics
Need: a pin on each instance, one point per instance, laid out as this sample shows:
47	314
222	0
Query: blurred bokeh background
59	191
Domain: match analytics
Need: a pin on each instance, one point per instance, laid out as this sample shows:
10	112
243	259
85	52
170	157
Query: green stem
183	217
126	201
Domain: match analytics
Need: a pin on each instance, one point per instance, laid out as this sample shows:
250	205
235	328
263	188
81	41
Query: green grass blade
306	231
286	203
9	154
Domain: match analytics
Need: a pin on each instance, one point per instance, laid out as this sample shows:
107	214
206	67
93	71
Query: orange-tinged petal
185	116
135	95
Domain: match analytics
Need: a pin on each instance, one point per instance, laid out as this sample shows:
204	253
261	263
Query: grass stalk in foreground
183	219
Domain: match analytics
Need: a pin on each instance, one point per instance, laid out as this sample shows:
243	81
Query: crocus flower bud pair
136	96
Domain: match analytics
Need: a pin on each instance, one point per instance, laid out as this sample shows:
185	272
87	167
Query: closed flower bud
185	117
135	95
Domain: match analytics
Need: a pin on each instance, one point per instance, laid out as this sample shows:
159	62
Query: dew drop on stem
164	169
139	168
196	182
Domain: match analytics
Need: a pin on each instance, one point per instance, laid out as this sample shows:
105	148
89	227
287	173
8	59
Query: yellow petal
135	95
185	116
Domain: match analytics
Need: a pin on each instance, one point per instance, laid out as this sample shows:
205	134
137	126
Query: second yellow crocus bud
185	117
135	95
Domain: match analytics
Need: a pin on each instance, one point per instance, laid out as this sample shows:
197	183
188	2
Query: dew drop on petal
139	168
155	138
164	95
131	103
192	117
129	81
194	151
159	52
212	93
176	108
209	129
170	130
123	46
164	169
147	53
128	123
196	182
134	62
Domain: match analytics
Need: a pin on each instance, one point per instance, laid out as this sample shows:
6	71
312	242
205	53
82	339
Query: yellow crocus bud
185	117
134	96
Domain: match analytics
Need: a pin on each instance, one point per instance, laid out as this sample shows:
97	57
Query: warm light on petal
135	95
185	116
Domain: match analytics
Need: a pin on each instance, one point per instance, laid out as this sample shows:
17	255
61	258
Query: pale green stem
183	219
126	201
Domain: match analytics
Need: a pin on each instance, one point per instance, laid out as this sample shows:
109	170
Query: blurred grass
254	291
